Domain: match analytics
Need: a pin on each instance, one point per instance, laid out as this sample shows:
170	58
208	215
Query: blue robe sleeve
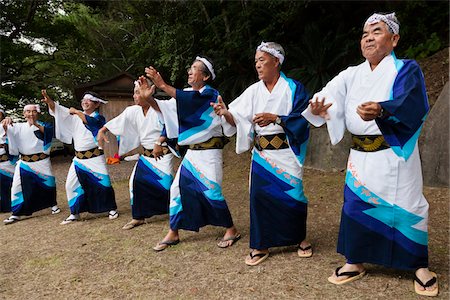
405	113
47	136
95	123
192	106
296	126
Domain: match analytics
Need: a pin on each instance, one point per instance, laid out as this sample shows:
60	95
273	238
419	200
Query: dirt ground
96	259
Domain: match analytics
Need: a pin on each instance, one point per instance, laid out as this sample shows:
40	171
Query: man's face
377	42
266	65
89	106
31	115
196	75
138	99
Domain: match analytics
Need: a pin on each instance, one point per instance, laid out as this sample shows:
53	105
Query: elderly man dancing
150	180
34	186
383	103
88	186
268	116
196	198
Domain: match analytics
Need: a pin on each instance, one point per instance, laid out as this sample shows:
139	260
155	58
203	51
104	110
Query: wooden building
118	91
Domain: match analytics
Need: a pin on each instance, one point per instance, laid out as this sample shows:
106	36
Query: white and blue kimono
385	215
7	166
196	198
34	186
88	185
150	179
278	205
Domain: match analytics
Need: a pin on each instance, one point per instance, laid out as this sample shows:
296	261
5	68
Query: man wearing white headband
88	185
150	180
33	187
7	166
266	118
196	198
383	104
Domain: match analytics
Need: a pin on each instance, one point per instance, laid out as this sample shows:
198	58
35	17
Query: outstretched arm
79	113
154	75
47	100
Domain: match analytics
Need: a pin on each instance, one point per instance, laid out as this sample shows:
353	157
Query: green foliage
82	41
425	49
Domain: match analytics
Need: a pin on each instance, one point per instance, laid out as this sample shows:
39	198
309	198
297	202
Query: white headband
93	98
390	20
274	52
32	107
208	65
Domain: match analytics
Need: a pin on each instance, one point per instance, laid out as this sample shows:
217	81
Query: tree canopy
58	44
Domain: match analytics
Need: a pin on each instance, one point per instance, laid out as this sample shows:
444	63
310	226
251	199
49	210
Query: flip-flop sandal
11	220
56	211
223	243
165	244
113	216
68	221
352	276
131	225
262	257
418	282
304	255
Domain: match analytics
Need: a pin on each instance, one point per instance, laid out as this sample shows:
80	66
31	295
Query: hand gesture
157	151
264	119
219	108
368	111
6	121
46	98
145	90
318	108
73	111
154	76
101	138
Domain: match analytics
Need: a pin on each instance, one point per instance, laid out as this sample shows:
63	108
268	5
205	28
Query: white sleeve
168	110
63	123
334	92
12	132
124	126
242	110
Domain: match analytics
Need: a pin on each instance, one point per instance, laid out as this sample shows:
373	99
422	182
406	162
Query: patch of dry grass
95	258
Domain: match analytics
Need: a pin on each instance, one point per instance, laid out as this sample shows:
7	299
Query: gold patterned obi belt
4	157
91	153
369	143
217	142
33	157
149	152
271	142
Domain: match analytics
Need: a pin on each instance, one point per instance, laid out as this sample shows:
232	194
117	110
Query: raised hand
220	107
368	111
319	108
145	90
47	100
154	76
